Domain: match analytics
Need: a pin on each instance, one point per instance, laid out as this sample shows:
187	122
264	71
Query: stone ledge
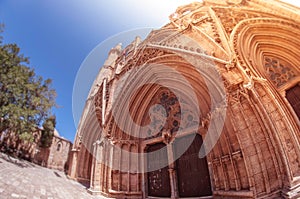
235	194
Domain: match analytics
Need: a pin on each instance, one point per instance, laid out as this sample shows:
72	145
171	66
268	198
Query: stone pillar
172	172
95	187
105	168
74	164
143	171
94	161
110	160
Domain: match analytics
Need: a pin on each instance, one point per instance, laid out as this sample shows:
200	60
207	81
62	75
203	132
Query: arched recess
268	51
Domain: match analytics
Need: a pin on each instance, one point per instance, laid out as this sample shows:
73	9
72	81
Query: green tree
48	132
25	98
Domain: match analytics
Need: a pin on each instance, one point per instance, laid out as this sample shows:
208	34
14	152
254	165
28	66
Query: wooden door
158	180
192	172
293	96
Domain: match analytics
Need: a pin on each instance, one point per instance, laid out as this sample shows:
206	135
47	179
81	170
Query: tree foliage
25	98
48	132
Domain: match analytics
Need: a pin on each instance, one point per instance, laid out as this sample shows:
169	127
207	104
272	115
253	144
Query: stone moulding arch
253	39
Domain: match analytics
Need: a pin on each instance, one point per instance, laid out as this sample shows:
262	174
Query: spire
118	47
116	50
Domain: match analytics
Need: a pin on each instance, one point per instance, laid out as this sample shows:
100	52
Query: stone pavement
21	179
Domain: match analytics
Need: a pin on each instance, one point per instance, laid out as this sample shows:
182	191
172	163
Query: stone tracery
278	71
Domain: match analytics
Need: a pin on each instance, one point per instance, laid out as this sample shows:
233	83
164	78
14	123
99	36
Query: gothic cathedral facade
208	106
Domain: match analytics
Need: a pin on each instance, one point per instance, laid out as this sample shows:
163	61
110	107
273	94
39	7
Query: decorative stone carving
278	71
166	135
241	92
169	107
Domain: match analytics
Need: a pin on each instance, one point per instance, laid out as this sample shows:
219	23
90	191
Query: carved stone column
172	172
144	163
93	167
95	187
74	164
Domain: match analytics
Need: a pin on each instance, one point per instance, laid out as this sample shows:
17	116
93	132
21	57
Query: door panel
293	96
158	180
192	172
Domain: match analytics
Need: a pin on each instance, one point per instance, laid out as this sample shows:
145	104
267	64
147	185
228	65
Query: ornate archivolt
145	55
255	40
140	101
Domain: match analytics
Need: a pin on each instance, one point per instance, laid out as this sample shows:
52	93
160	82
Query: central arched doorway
192	171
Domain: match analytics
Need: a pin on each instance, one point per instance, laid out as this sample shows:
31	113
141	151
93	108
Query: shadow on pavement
18	162
57	174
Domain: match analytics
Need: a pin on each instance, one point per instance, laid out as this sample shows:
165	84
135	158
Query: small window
58	147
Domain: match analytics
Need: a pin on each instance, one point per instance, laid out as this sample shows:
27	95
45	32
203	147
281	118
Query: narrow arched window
58	147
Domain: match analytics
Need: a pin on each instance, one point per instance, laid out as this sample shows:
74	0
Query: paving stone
15	195
23	180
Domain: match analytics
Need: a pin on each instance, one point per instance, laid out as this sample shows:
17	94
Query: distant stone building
241	60
56	156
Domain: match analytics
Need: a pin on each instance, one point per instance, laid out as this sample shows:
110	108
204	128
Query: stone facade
252	113
56	156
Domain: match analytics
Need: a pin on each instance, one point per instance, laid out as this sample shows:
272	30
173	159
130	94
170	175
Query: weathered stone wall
11	144
59	154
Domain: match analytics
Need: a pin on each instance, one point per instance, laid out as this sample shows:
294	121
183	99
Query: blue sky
59	35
